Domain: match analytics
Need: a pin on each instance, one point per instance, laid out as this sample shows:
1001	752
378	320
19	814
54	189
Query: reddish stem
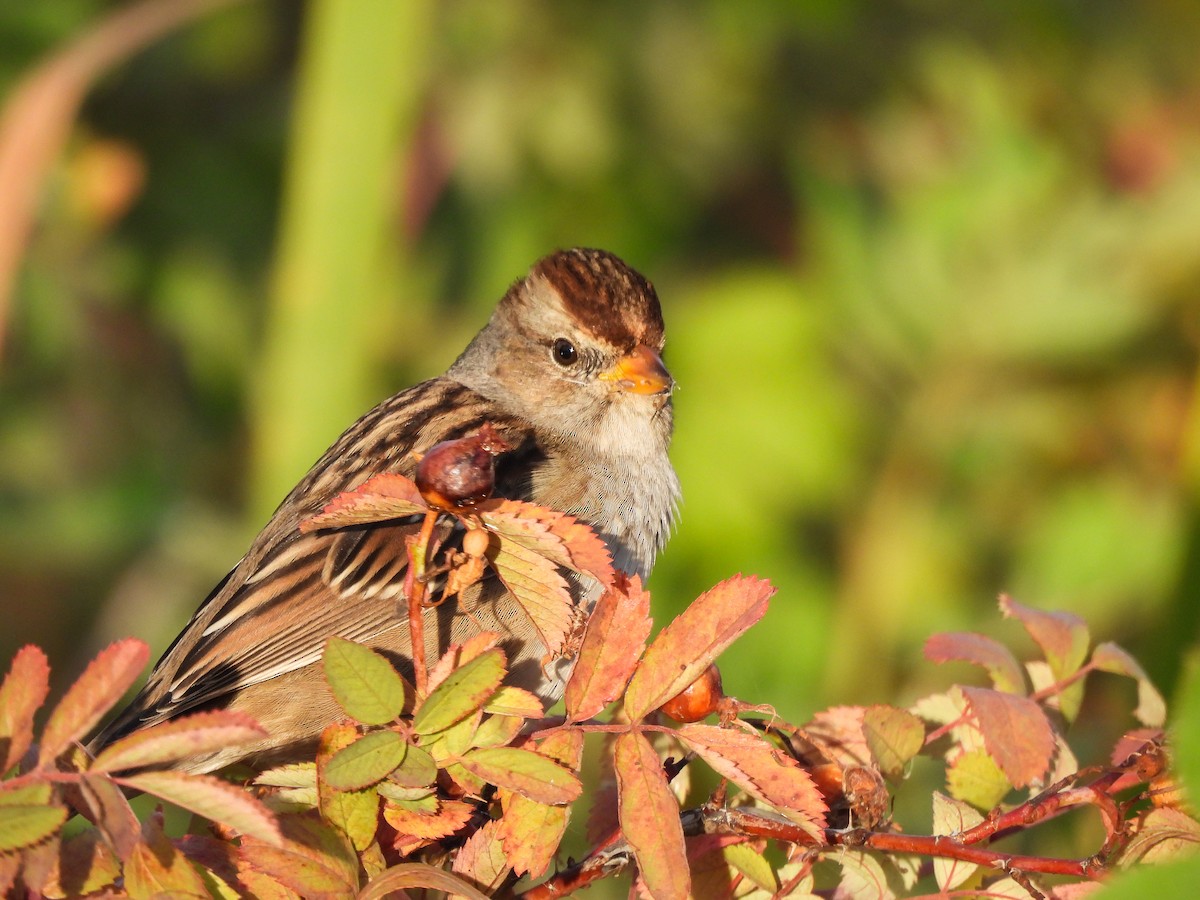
414	589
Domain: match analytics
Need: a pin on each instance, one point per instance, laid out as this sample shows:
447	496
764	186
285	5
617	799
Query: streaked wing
274	612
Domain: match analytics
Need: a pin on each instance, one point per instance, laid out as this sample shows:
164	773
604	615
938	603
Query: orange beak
641	372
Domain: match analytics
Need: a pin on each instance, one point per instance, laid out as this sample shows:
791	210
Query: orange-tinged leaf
21	695
211	798
1164	834
363	682
1015	732
532	831
684	649
26	824
537	584
1151	709
157	869
614	641
513	701
554	535
951	816
966	646
415	830
760	769
893	735
838	732
98	689
524	772
314	860
481	859
366	761
463	692
378	499
178	738
649	816
458	655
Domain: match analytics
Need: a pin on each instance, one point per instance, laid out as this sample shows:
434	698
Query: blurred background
931	274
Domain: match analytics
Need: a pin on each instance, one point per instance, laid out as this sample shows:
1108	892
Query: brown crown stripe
606	296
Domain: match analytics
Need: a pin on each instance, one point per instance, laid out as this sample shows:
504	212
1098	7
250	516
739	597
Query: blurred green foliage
930	271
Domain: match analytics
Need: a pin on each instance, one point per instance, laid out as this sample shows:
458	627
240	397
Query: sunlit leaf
314	860
687	646
482	858
110	810
612	644
1001	665
1151	709
177	739
86	863
418	875
378	499
894	737
22	694
532	831
975	778
1015	731
649	815
863	877
524	772
953	817
157	869
1163	834
25	824
557	536
97	690
537	584
759	768
353	812
1063	638
367	760
463	692
212	798
363	682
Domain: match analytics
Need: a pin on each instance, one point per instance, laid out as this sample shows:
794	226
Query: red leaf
615	638
21	695
157	869
555	535
377	499
177	739
649	815
111	812
1015	732
684	649
761	769
98	689
1062	636
966	646
1151	709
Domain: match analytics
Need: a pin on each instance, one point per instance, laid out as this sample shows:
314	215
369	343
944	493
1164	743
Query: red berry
460	473
699	699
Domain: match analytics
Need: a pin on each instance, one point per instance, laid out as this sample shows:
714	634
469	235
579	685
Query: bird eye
564	352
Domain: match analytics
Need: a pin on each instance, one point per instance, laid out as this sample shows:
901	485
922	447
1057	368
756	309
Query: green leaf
975	778
25	824
368	760
894	736
464	691
524	772
363	682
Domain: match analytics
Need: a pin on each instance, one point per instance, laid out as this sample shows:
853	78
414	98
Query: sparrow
568	372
